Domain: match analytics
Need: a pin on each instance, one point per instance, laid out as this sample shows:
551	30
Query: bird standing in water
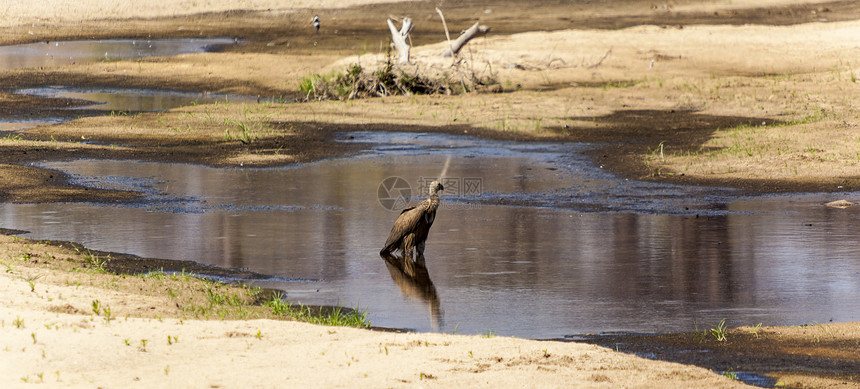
413	225
316	23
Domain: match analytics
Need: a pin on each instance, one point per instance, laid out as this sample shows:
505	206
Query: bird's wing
405	223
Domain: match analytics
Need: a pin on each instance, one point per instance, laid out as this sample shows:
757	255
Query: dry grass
818	136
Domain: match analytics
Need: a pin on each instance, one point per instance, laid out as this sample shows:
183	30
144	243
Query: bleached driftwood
398	37
472	32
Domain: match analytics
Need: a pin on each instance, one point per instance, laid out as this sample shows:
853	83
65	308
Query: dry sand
42	346
65	11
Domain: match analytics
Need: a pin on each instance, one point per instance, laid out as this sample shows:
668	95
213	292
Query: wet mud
625	136
827	350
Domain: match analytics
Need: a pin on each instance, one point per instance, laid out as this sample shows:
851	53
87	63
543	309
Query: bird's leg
408	246
419	248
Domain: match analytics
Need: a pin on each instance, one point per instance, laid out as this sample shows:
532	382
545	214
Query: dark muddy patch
587	84
6	231
119	263
623	138
682	130
752	353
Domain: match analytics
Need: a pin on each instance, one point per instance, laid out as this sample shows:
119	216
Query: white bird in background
316	23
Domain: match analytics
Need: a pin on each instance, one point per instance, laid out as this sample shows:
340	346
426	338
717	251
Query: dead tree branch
398	37
445	25
472	32
594	65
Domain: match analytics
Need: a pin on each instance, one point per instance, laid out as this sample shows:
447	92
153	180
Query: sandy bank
50	334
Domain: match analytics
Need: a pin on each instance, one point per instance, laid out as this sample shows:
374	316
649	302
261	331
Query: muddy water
120	99
583	252
57	53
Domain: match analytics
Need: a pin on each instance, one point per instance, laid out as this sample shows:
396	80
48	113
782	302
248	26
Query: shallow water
134	100
57	53
18	125
596	254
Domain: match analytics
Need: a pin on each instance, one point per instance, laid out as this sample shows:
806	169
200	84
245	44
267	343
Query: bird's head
436	187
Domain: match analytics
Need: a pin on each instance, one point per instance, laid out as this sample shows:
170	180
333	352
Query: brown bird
413	225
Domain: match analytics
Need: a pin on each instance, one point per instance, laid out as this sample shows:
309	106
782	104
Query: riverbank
74	317
67	322
757	95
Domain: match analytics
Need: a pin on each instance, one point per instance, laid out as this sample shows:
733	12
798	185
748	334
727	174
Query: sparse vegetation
100	310
356	83
755	329
332	316
94	261
389	80
719	331
13	137
731	375
189	296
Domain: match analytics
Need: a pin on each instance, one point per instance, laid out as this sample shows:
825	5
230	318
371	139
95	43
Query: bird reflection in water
412	278
408	237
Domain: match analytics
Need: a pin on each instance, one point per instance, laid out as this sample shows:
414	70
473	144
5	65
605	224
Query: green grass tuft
720	331
330	316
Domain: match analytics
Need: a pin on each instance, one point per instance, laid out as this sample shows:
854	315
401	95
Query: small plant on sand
100	310
719	331
246	135
12	138
336	316
97	307
96	263
107	315
31	280
278	305
217	298
731	375
754	330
